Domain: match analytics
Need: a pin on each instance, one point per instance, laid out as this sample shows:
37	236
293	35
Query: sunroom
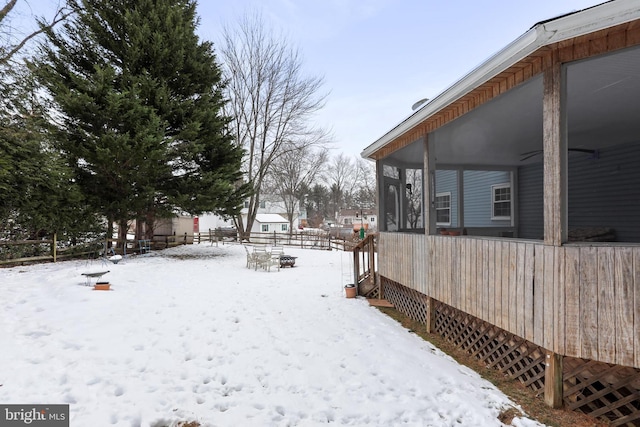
512	199
487	165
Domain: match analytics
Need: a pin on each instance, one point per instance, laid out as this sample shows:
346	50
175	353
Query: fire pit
287	260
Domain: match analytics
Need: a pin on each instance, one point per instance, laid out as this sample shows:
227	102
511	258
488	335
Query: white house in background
356	218
269	205
270	223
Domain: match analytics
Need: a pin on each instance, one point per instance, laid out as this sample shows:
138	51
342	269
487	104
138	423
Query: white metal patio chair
262	257
274	258
252	258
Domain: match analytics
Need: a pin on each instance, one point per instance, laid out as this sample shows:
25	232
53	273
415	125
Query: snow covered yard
191	334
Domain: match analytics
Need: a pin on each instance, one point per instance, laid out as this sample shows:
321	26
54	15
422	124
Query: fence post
553	380
53	247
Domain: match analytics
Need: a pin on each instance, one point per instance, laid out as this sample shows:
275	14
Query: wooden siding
575	300
478	197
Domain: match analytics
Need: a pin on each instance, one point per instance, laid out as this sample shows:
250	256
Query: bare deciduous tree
292	174
11	42
365	192
270	99
349	181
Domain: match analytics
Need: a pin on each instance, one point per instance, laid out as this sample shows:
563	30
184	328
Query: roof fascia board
569	26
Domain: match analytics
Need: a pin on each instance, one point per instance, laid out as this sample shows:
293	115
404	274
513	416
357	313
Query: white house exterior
356	218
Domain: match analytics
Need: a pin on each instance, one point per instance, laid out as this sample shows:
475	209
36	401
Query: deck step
379	302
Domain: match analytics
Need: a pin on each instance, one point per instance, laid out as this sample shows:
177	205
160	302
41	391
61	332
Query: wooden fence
50	250
578	300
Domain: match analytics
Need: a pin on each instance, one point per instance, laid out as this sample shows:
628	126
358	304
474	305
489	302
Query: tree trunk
123	228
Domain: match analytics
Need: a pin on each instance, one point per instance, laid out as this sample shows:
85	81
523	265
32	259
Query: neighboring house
266	226
271	205
267	206
535	155
357	218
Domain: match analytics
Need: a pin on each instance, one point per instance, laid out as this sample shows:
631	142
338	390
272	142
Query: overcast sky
378	57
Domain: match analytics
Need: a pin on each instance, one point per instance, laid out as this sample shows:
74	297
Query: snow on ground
191	334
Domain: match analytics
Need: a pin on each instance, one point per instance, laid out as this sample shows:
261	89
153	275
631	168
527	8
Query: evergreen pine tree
141	104
38	195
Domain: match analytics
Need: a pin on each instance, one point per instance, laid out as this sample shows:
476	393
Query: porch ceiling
603	104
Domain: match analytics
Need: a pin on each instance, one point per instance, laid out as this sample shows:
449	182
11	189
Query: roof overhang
612	13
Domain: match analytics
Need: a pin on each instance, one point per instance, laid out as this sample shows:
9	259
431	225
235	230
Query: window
372	219
246	204
347	221
443	208
501	201
285	227
265	228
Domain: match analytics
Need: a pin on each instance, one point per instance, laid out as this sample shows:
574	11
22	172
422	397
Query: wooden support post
431	315
555	154
372	264
356	266
54	245
553	380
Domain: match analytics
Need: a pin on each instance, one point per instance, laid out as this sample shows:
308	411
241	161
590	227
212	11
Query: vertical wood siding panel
437	270
513	287
520	290
500	302
505	285
433	271
480	270
462	275
447	267
455	272
606	318
438	254
491	266
529	277
572	304
549	320
636	304
486	283
624	306
559	300
422	243
538	296
472	275
589	302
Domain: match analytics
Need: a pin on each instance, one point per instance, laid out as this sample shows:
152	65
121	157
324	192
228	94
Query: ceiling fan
530	154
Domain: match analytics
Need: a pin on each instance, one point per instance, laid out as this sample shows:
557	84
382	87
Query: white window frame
285	227
493	201
446	193
264	228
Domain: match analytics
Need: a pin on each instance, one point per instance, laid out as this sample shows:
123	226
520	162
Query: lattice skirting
600	390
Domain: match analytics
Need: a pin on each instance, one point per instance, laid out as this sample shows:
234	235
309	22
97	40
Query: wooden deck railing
364	266
579	300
